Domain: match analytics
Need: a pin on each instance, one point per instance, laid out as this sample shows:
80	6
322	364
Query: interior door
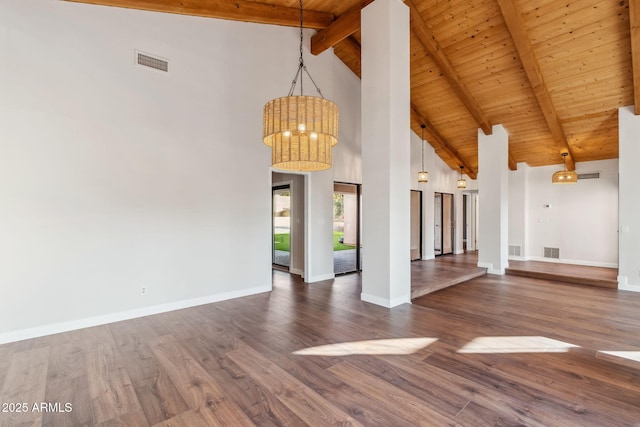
443	223
416	225
447	224
437	217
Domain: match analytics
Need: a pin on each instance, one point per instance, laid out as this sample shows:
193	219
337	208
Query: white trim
297	271
517	258
624	285
458	252
384	302
56	328
490	269
320	278
574	261
428	257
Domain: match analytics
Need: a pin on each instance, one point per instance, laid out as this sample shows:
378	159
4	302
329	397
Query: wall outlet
143	290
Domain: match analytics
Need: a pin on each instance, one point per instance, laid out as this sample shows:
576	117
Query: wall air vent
592	175
552	253
514	250
152	62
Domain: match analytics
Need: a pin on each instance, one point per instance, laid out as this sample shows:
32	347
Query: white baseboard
518	258
574	262
490	269
428	257
56	328
385	302
320	278
624	285
296	271
458	252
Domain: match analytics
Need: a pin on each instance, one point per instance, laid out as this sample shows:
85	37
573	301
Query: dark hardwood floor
491	351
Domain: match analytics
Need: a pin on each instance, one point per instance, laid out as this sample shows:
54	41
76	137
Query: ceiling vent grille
152	62
552	253
592	175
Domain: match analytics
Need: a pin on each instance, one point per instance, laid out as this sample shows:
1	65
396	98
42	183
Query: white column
493	188
519	210
318	238
386	181
628	201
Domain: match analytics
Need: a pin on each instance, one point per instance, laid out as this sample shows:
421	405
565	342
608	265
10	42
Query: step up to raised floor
427	288
566	278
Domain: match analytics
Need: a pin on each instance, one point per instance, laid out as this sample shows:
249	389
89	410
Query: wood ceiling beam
634	20
347	24
438	142
431	45
516	25
237	10
513	165
352	47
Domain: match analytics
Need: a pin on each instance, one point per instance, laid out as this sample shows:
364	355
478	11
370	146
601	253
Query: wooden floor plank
158	396
195	385
110	388
311	407
412	409
23	387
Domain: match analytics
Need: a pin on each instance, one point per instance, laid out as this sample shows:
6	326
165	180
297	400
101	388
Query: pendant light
423	175
564	176
462	183
301	130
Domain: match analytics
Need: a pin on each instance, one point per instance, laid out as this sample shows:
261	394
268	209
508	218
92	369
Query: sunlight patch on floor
627	358
516	344
395	346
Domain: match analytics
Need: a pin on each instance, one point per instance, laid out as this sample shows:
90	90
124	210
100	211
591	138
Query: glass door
346	228
281	202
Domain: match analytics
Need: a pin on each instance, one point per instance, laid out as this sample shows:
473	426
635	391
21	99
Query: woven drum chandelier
301	130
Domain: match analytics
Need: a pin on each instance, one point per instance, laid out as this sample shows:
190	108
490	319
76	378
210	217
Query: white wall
519	209
629	244
115	177
347	155
582	220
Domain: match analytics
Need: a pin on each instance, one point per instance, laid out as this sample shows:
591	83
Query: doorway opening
416	225
443	224
347	215
281	226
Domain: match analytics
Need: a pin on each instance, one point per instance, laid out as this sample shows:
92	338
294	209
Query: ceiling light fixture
565	176
423	175
462	183
301	130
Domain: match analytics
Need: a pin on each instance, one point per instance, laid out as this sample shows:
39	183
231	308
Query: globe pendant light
565	176
462	183
301	130
423	175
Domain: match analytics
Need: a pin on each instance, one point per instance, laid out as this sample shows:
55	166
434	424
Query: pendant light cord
422	143
302	67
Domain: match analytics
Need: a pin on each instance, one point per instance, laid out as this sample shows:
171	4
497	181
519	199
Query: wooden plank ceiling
552	72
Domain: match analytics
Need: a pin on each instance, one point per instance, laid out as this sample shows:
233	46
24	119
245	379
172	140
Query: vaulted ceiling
552	72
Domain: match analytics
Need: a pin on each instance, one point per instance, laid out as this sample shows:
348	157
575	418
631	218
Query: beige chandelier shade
564	177
300	131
